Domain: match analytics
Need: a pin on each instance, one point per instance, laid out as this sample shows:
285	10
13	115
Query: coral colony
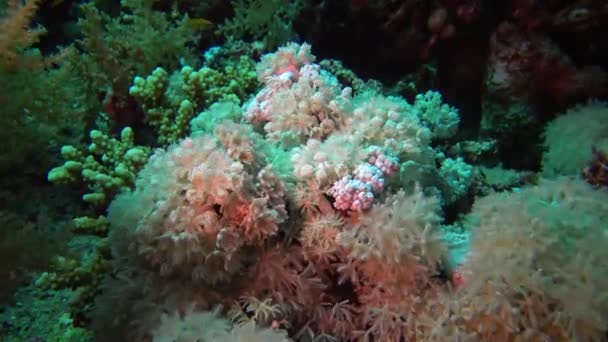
304	171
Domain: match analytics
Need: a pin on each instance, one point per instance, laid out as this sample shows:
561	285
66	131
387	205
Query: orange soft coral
16	34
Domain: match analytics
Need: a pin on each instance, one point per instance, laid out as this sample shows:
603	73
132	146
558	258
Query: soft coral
16	35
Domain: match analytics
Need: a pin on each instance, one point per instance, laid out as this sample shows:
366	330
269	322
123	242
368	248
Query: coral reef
269	21
215	212
191	171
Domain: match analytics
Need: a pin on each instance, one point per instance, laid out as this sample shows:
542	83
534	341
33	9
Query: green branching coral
91	225
107	166
170	102
83	275
71	272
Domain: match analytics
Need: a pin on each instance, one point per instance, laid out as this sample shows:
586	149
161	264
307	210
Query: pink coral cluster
290	57
299	100
352	194
356	193
387	164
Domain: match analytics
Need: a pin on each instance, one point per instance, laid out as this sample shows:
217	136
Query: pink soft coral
206	207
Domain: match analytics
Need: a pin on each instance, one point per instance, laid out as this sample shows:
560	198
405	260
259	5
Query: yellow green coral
69	272
108	165
90	225
170	102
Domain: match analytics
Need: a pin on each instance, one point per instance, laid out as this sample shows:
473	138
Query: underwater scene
303	170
